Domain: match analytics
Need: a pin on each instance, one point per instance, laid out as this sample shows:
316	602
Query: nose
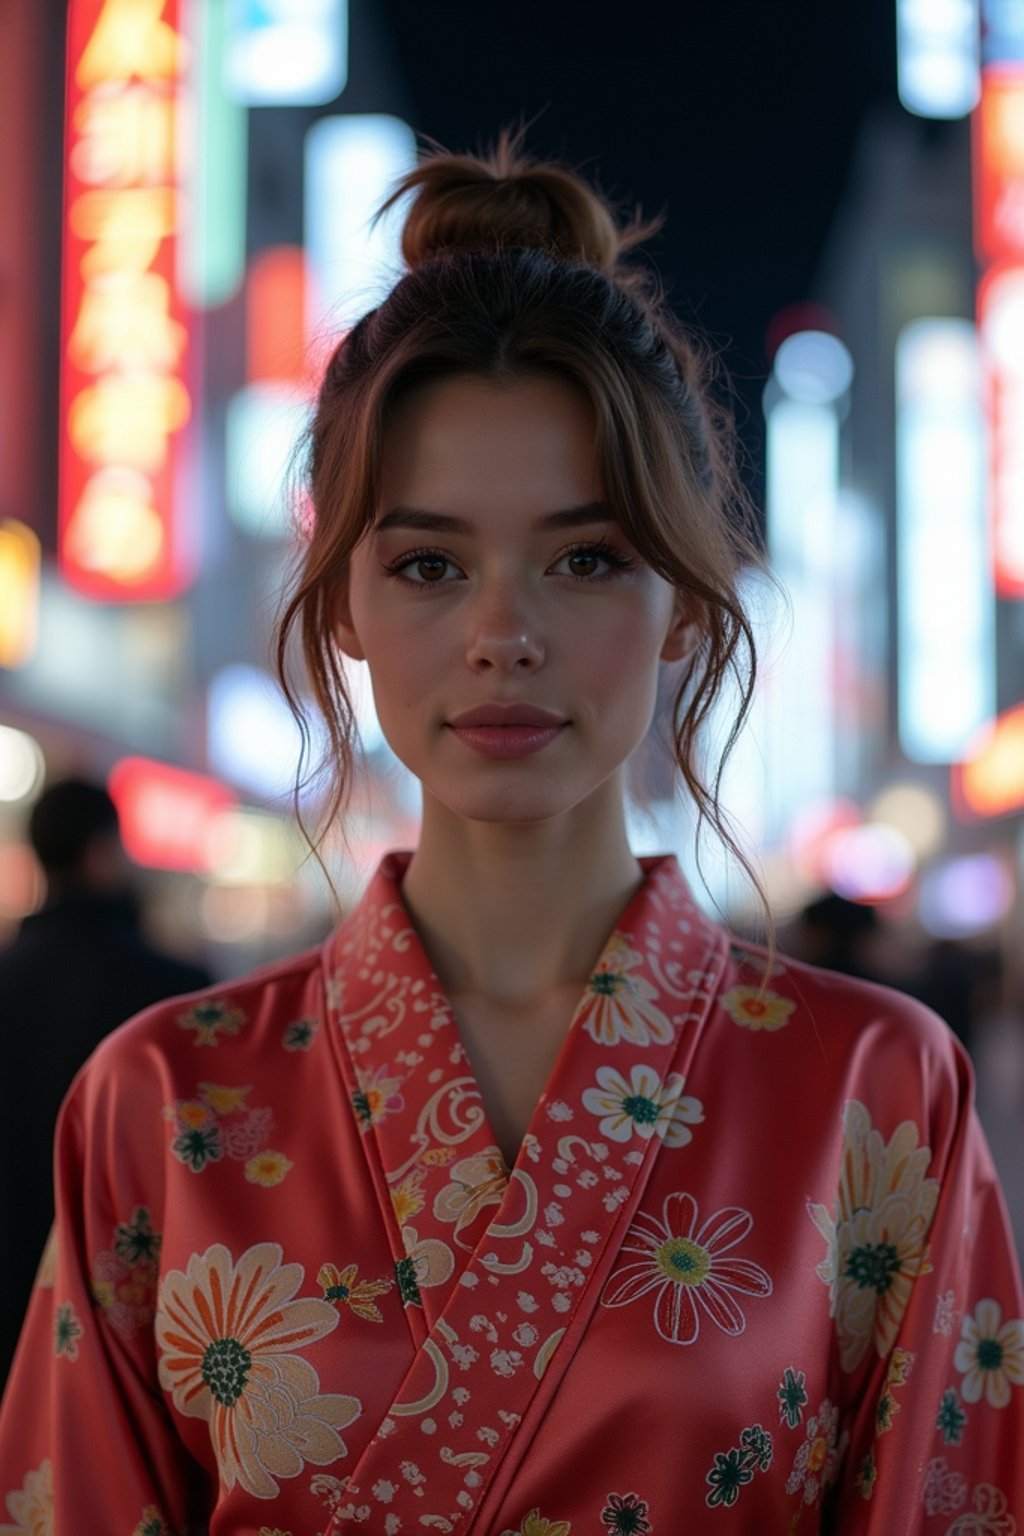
503	635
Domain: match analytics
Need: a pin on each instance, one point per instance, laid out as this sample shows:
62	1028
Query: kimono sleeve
937	1439
86	1442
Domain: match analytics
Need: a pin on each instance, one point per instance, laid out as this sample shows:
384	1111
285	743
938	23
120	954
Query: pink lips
507	730
507	715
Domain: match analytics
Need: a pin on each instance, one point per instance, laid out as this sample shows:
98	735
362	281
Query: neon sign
998	148
1001	327
991	781
166	813
125	353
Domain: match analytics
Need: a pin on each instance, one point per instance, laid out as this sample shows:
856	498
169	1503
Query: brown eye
584	555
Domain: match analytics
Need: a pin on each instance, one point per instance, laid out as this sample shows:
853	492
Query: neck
514	914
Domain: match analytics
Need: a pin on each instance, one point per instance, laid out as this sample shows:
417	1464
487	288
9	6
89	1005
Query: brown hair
515	267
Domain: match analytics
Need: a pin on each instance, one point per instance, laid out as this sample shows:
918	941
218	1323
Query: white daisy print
990	1354
643	1105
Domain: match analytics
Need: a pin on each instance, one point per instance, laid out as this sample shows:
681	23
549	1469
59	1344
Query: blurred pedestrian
76	969
836	933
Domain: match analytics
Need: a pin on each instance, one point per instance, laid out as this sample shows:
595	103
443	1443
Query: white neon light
946	605
938	56
351	165
264	425
814	367
286	53
252	737
21	764
802	497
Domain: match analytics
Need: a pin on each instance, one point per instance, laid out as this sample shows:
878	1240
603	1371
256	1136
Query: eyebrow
441	522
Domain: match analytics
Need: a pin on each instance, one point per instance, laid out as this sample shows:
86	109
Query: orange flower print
223	1101
438	1157
213	1017
228	1335
344	1290
267	1168
618	1005
378	1098
407	1197
125	1276
477	1182
817	1460
877	1234
31	1506
191	1114
755	1009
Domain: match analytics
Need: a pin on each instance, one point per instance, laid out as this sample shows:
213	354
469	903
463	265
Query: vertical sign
945	606
1001	328
125	344
998	149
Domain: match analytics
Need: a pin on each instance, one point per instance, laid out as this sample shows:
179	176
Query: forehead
466	433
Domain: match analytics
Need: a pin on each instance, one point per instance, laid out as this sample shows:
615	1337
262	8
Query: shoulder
864	1038
234	1027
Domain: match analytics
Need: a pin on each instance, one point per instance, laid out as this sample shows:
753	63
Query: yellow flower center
816	1455
684	1261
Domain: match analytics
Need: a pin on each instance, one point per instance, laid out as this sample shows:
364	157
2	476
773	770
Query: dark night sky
736	117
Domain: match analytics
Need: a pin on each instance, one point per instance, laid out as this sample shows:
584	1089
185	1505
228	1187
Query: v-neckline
498	1270
417	1094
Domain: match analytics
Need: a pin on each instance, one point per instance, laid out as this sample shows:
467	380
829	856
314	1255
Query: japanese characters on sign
126	353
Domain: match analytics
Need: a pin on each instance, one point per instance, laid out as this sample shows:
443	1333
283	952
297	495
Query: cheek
626	652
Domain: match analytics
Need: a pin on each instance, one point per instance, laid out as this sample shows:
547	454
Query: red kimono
750	1272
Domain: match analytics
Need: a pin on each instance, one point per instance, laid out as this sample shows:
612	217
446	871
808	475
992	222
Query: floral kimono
751	1270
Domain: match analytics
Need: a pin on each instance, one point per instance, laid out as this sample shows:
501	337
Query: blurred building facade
271	146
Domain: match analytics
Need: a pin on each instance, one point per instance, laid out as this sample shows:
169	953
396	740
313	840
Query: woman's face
504	610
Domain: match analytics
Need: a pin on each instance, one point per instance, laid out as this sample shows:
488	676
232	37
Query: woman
533	1203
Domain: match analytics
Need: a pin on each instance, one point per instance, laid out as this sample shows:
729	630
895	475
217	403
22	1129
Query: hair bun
506	198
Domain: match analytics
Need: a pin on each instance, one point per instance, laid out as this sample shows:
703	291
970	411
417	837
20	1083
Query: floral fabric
750	1271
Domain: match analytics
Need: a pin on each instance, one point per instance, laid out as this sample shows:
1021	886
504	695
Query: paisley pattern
295	1287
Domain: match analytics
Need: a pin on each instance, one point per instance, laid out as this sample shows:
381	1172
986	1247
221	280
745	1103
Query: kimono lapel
499	1273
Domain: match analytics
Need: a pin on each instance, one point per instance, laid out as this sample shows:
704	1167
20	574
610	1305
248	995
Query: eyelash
617	561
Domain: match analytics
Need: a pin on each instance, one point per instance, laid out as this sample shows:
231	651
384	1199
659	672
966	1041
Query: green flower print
885	1411
210	1018
738	1465
300	1035
951	1419
405	1274
67	1331
867	1476
378	1097
757	1443
792	1396
197	1146
625	1515
728	1475
152	1523
135	1241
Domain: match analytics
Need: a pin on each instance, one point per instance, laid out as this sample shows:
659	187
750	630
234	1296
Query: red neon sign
125	344
998	151
1001	329
166	814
